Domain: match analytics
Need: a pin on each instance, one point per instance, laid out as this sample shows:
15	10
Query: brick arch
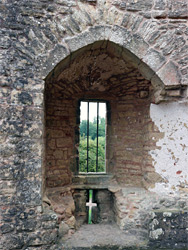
151	63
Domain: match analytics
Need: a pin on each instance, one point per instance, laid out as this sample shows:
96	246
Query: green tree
92	154
93	128
92	149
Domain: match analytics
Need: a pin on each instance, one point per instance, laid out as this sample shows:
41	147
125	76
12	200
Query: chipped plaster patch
170	159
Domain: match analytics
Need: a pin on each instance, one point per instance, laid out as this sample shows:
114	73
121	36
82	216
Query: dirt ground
105	236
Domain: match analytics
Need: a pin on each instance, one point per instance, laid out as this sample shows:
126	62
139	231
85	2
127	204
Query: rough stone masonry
134	55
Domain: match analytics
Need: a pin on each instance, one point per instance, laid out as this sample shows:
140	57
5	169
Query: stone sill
91	181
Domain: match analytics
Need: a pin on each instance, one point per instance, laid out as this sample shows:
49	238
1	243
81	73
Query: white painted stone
171	158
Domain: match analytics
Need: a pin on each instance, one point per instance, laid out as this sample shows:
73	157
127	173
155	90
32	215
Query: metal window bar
87	137
97	149
97	138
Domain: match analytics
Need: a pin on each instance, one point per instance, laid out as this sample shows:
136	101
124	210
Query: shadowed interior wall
100	73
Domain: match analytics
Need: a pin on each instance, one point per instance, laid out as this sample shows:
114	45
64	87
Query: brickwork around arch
39	40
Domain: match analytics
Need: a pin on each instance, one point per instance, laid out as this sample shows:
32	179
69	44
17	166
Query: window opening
92	143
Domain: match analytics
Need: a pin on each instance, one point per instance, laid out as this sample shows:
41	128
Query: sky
92	110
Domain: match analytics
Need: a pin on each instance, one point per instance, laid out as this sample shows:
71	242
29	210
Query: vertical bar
90	207
87	137
97	150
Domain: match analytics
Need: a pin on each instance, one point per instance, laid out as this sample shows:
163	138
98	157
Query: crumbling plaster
170	158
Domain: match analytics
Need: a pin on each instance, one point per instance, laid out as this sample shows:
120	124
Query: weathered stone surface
178	9
145	71
43	238
137	46
167	230
154	60
120	36
160	4
12	242
169	74
56	55
63	229
126	44
6	228
100	32
79	42
134	43
139	5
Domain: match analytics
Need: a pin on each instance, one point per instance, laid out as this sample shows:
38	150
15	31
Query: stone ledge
91	181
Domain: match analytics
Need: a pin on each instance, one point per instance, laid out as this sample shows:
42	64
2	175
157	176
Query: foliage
92	146
93	128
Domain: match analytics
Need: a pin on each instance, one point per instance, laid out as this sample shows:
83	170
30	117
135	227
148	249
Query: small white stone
167	214
39	209
156	233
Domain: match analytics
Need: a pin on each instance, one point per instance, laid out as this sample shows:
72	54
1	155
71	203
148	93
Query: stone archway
67	80
37	37
102	70
162	72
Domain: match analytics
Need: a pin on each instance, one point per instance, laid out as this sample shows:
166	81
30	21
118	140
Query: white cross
90	204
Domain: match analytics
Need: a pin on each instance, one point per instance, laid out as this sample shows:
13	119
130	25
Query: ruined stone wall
60	143
98	75
35	37
128	140
130	130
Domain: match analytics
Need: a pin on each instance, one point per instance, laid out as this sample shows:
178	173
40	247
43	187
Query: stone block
63	142
174	93
6	228
146	71
169	75
10	242
114	49
63	229
55	133
7	172
137	46
157	82
180	53
159	14
80	41
120	36
51	143
28	192
178	14
100	32
71	222
160	4
139	5
59	53
154	60
43	237
7	187
26	225
33	130
130	58
25	98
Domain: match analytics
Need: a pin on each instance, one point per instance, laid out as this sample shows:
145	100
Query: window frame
108	118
